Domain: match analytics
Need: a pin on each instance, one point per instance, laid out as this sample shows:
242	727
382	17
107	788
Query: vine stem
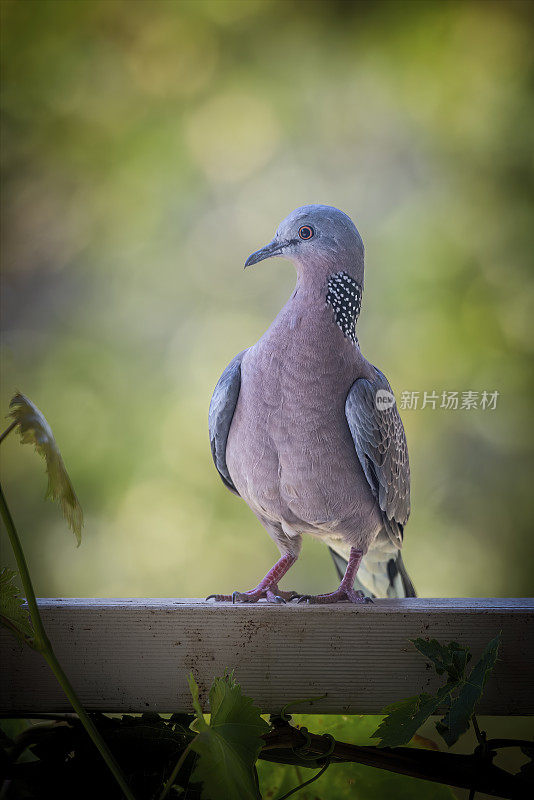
174	774
42	643
452	769
306	783
8	430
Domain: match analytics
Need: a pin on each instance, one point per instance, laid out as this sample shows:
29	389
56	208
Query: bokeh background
147	149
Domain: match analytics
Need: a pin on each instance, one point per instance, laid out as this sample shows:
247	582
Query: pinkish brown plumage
295	427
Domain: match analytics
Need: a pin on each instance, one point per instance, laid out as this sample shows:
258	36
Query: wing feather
222	407
381	447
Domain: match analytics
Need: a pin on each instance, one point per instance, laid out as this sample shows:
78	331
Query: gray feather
221	413
380	444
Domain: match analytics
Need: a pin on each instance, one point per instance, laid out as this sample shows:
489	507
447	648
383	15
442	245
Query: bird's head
316	238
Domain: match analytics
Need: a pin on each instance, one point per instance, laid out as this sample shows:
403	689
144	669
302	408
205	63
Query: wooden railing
135	654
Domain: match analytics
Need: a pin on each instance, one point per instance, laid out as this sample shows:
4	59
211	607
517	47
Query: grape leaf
199	723
460	693
456	720
12	610
405	718
34	429
451	658
229	744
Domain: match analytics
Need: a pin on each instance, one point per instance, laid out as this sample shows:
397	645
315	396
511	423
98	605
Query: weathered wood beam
135	654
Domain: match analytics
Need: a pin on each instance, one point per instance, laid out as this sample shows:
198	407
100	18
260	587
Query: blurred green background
147	149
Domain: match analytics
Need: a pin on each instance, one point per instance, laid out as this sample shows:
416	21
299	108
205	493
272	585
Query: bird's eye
306	232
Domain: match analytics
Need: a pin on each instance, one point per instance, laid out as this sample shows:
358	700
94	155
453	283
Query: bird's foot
339	596
266	588
276	595
273	595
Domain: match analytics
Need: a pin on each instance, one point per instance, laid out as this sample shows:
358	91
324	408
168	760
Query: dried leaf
34	429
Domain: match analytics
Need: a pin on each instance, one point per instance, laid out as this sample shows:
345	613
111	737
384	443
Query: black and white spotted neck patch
345	297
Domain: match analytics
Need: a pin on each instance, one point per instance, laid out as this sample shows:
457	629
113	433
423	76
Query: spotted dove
307	431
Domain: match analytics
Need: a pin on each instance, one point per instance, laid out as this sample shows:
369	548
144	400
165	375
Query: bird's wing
381	447
222	407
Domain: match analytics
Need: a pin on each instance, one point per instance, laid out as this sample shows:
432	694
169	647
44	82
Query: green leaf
34	429
451	658
461	694
12	610
199	723
458	718
229	745
406	717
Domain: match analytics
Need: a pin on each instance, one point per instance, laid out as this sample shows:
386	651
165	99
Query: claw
236	597
244	597
339	596
304	598
362	598
345	591
274	598
247	597
269	585
292	595
273	595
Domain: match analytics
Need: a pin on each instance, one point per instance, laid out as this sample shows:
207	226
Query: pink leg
266	588
346	589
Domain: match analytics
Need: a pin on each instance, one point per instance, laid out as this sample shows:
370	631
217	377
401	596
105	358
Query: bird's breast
290	448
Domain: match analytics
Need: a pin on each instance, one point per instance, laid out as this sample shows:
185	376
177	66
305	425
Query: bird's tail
379	574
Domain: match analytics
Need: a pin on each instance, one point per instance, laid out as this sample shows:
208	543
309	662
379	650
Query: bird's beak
274	248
